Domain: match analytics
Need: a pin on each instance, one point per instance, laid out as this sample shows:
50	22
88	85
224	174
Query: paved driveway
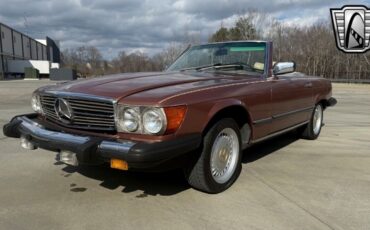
286	183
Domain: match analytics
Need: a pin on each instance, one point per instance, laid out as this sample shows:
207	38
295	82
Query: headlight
128	119
35	103
154	121
149	120
131	120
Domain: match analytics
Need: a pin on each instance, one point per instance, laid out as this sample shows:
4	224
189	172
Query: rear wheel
312	130
219	163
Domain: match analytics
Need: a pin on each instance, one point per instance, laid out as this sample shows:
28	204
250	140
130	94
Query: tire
222	145
312	130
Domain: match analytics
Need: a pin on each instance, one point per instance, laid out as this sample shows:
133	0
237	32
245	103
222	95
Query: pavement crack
290	200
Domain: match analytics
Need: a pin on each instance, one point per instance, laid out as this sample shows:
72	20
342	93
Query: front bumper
331	102
92	150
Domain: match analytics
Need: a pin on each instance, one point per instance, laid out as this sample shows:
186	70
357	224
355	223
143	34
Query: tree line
89	62
312	47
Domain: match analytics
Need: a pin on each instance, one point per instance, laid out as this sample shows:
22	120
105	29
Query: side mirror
283	67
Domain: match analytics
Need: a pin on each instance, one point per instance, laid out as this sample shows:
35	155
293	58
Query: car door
292	101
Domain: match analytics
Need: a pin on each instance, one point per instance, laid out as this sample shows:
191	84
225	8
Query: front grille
87	113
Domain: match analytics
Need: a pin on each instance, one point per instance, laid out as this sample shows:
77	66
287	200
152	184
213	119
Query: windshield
237	56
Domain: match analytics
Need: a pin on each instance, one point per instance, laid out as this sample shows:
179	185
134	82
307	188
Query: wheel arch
236	110
323	101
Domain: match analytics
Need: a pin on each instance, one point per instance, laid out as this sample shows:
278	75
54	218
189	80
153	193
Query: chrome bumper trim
121	146
33	130
37	130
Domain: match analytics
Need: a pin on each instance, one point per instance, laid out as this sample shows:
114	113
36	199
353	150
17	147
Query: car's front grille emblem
63	110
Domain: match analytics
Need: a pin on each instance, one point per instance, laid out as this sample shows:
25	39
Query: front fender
223	104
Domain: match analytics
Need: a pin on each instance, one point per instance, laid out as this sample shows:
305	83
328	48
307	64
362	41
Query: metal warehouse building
18	51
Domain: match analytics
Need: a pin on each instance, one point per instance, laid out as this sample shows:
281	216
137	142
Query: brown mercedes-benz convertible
214	101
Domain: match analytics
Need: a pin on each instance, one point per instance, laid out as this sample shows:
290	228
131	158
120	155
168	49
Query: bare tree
87	60
312	48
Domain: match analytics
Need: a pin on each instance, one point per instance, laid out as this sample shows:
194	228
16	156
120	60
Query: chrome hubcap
317	119
224	155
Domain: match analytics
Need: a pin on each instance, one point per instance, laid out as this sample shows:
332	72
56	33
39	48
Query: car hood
123	85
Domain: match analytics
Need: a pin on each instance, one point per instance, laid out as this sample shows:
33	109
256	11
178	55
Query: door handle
308	85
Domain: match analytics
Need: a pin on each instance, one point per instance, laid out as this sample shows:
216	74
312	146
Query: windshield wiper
228	65
221	66
200	67
243	65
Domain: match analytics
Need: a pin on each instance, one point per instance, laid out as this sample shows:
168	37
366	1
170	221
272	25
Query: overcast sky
146	25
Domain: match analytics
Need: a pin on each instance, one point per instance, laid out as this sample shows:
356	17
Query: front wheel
219	163
312	130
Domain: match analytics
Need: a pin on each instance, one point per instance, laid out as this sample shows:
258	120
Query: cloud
131	25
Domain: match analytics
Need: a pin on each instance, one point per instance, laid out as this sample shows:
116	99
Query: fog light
118	164
26	144
68	158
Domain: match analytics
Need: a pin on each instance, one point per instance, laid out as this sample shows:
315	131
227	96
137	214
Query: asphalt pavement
286	183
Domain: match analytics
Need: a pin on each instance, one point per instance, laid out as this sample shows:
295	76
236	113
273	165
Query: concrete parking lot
286	183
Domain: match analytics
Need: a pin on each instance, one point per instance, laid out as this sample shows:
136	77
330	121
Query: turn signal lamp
175	116
118	164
